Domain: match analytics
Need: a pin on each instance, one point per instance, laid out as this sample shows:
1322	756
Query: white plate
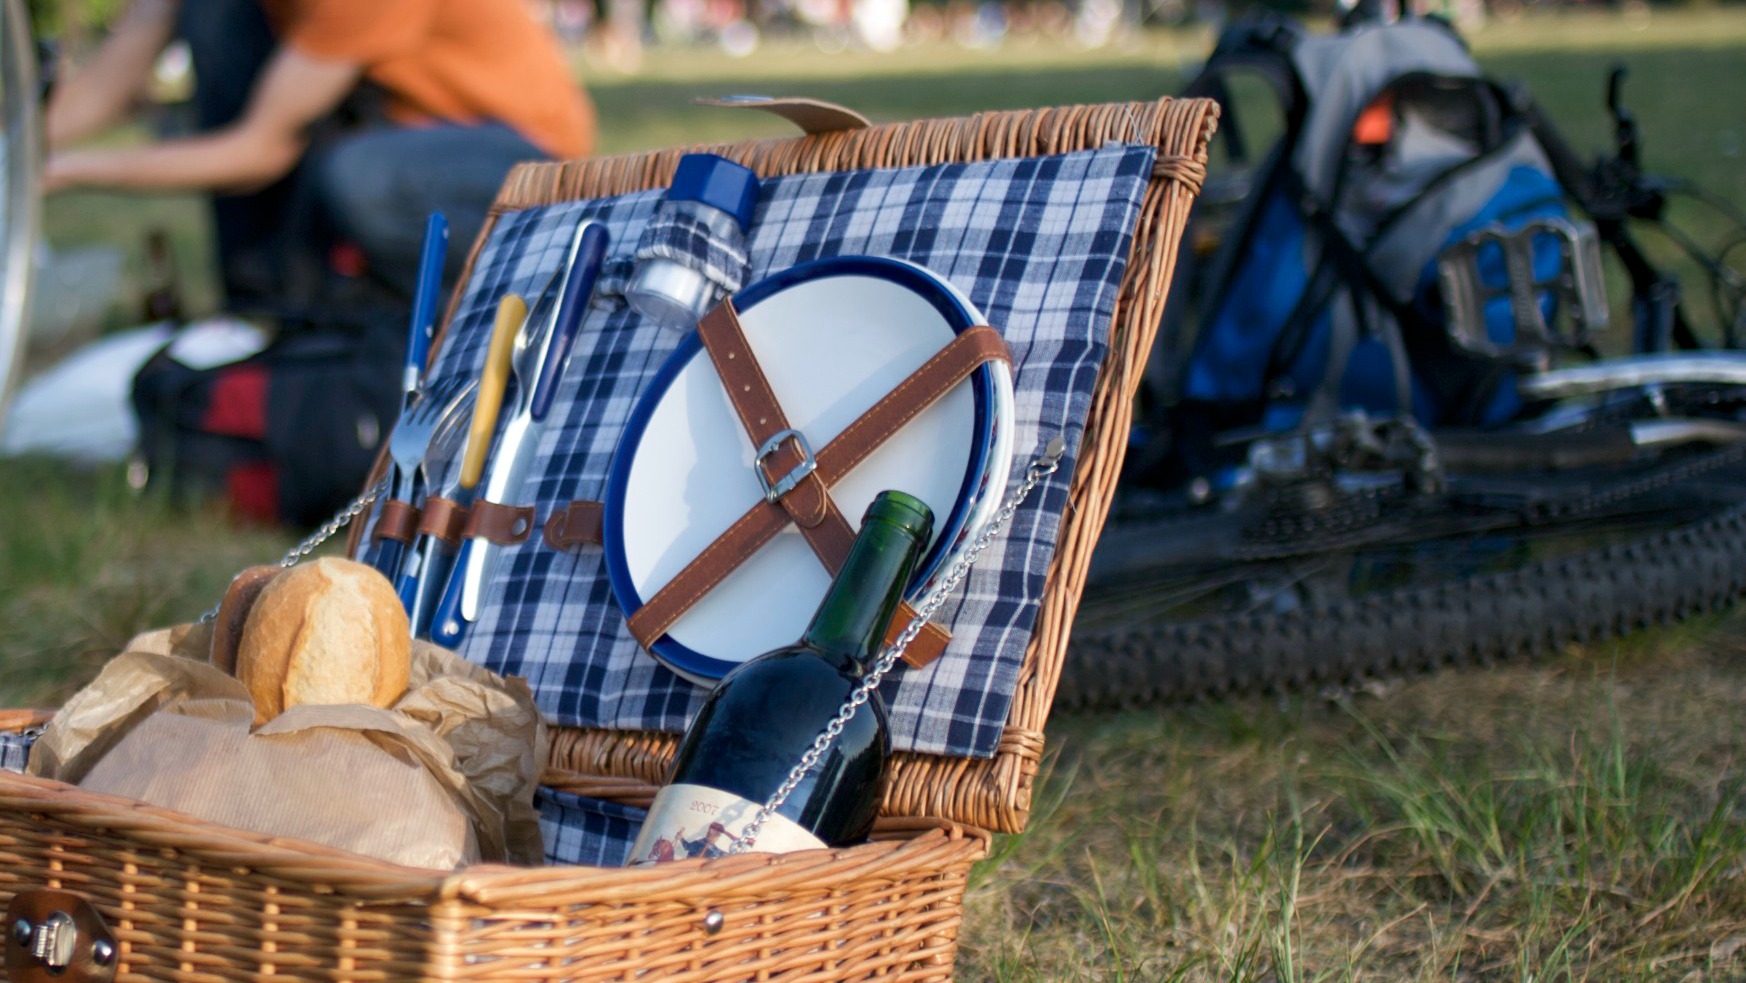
996	472
833	337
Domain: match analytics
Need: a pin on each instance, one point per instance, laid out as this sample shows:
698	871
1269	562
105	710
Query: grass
1574	819
86	564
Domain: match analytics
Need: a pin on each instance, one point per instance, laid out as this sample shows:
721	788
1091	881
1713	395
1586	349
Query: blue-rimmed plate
833	337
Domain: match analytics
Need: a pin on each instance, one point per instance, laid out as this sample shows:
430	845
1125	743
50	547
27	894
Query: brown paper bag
444	778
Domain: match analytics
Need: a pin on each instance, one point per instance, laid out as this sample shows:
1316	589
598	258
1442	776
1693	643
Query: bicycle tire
1669	575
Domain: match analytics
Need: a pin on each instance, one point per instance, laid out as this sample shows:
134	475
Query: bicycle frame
1613	194
20	203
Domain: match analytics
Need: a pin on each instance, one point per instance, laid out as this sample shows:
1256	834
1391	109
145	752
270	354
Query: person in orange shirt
323	117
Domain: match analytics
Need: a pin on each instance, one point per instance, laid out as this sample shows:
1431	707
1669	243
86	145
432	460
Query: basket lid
984	224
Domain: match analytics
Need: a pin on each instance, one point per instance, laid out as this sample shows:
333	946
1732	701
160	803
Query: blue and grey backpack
1316	290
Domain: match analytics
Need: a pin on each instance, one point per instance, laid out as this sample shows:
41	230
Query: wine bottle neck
852	619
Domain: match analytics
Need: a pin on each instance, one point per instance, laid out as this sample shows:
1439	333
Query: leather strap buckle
773	492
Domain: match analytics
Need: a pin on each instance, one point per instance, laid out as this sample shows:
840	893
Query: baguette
331	631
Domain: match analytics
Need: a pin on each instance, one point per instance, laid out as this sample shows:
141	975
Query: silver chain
1041	466
330	529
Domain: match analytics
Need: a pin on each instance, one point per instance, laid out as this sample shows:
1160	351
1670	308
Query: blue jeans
378	186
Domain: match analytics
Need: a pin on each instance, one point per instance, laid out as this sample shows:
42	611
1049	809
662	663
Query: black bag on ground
287	435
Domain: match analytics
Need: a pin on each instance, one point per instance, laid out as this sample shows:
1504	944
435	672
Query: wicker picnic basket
190	901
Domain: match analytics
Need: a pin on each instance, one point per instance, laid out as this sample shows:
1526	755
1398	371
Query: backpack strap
1259	46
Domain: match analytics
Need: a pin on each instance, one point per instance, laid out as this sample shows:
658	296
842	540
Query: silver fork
406	447
450	434
442	453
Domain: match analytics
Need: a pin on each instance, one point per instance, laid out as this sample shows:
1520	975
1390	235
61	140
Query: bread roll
233	613
331	631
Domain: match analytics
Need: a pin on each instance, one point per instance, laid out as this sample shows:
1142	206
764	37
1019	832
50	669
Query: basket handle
813	116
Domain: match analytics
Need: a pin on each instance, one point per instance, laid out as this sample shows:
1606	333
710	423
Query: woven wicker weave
189	901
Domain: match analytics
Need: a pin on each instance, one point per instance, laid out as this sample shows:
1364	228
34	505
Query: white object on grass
80	408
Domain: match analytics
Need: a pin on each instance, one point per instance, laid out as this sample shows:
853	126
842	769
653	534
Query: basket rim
931	846
902	848
994	134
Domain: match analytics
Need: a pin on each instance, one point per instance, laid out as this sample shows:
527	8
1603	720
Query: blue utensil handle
447	627
389	553
578	288
434	564
409	574
424	298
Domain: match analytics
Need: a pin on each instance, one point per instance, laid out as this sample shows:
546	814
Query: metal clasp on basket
56	935
773	492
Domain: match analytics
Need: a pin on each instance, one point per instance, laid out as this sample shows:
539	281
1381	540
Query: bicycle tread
1603	593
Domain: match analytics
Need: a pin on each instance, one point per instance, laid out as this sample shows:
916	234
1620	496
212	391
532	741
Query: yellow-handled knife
436	558
511	311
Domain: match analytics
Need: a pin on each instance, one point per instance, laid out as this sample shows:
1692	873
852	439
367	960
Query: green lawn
1574	819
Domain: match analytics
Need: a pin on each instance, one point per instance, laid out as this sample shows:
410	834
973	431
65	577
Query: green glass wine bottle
765	714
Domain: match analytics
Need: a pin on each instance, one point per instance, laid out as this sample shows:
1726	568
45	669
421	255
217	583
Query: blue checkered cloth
15	749
1038	245
580	831
690	242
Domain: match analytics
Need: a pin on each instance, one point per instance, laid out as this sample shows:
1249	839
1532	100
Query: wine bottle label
698	821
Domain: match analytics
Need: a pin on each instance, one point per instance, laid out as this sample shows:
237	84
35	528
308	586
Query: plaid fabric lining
15	750
1038	245
588	832
689	241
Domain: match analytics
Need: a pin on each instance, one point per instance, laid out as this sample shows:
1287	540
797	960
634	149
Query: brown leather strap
809	502
399	522
929	644
505	525
921	389
577	524
445	519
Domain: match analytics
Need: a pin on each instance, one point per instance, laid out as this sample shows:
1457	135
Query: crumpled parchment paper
444	778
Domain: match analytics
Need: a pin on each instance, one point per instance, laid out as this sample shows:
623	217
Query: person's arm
100	92
295	90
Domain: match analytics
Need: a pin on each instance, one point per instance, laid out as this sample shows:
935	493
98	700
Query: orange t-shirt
460	61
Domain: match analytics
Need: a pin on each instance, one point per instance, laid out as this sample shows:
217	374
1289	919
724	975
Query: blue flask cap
717	182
